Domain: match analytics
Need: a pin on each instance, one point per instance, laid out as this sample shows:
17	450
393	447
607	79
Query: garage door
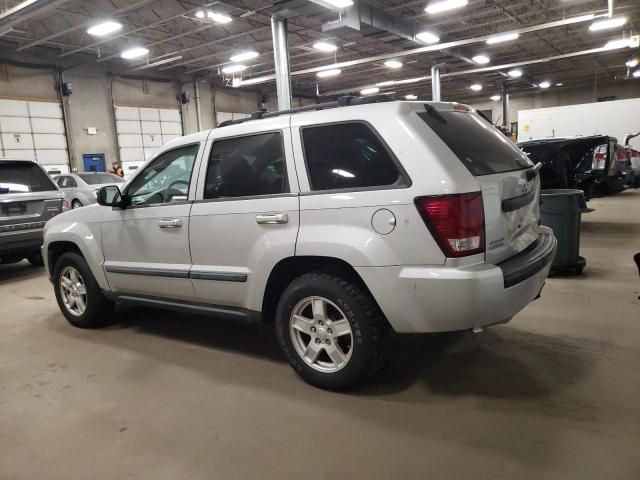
34	131
142	131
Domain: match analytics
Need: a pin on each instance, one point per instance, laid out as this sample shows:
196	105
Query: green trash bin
561	211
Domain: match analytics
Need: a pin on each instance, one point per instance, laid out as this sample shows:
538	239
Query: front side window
346	156
166	179
247	166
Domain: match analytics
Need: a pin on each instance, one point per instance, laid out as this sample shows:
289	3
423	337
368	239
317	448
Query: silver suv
28	199
338	222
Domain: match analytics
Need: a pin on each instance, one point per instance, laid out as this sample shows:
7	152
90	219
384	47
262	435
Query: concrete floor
554	394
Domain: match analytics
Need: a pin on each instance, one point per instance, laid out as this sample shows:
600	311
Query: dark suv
28	199
591	164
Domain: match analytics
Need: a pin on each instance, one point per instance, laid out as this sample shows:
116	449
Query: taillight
455	221
65	205
599	157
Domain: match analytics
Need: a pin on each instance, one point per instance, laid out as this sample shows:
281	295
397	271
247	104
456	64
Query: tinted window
166	179
247	166
98	178
347	155
23	177
481	147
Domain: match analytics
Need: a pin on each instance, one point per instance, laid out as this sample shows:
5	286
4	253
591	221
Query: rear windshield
23	177
98	178
481	147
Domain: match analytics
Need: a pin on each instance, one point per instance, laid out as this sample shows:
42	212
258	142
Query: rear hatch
28	197
509	182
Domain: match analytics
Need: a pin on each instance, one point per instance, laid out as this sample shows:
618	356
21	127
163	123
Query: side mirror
110	196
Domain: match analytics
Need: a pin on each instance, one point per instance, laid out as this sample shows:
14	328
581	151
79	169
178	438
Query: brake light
455	221
599	157
65	205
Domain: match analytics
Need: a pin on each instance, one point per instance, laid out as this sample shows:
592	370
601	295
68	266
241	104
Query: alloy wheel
73	291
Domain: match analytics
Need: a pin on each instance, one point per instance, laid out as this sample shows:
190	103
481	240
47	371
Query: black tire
99	310
76	204
368	326
36	260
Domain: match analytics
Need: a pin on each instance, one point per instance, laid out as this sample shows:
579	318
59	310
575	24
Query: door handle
272	218
170	223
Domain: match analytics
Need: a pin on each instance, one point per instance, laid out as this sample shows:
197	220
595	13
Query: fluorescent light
428	37
104	28
218	17
134	52
369	91
607	23
632	63
495	98
503	37
393	64
481	59
339	3
201	14
159	62
411	97
444	5
619	43
559	84
544	84
476	87
243	56
387	83
329	73
234	68
325	46
515	73
636	74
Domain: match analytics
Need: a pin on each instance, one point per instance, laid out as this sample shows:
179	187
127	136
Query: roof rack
344	101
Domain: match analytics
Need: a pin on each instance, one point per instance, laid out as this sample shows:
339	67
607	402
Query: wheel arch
290	268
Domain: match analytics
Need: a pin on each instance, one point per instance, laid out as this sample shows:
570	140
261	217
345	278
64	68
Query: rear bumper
25	242
438	299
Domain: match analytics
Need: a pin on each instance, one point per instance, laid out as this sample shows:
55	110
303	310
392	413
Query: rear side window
481	147
247	166
348	156
23	177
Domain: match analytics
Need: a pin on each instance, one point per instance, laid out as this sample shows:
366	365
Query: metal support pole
196	91
66	120
281	59
505	107
435	83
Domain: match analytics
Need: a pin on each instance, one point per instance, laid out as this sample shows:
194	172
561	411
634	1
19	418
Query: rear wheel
78	294
76	204
332	333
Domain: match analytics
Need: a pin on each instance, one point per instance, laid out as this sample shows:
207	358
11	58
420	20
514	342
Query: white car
339	224
81	188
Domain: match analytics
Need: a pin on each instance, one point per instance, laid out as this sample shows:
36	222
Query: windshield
481	147
23	177
99	178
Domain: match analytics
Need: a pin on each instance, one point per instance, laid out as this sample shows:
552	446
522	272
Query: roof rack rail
344	101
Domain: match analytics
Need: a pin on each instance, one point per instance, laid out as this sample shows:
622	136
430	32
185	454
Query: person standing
116	169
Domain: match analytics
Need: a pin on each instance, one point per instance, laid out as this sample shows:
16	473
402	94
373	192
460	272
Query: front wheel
331	331
78	294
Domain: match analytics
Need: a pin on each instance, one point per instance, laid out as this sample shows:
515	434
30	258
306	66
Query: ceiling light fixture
325	46
134	52
476	87
544	84
411	97
234	68
386	83
244	56
503	37
104	28
559	84
481	59
329	73
495	98
636	74
427	37
218	17
515	73
632	63
395	64
620	43
369	91
201	14
607	23
444	5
